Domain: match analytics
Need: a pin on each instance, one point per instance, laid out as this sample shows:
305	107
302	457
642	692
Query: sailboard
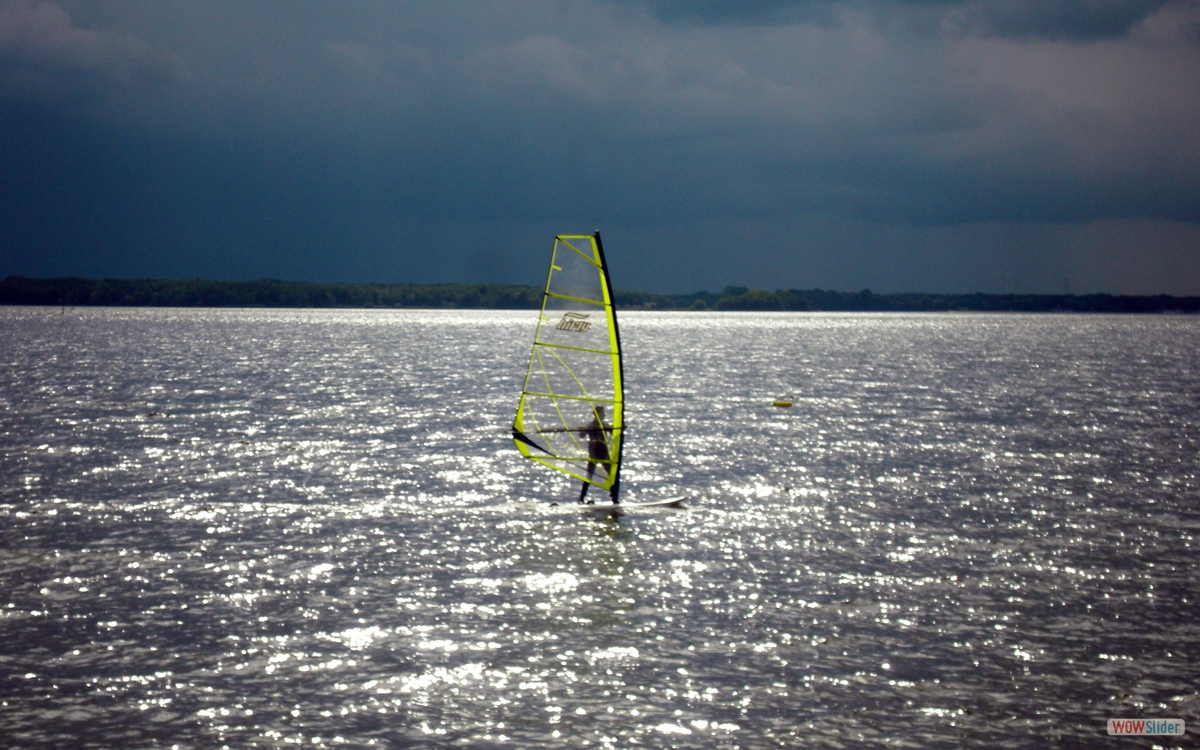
668	502
606	509
571	416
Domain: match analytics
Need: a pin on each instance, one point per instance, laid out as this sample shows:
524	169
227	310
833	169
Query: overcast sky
941	146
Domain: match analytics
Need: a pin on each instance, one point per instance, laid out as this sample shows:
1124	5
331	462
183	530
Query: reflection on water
269	528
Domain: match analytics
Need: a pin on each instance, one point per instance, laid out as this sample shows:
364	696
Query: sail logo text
575	322
1146	726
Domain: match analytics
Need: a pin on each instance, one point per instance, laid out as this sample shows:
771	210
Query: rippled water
264	528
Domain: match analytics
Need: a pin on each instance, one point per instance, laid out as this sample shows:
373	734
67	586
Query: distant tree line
741	298
20	290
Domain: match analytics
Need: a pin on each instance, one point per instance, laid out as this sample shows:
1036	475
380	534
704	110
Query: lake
271	528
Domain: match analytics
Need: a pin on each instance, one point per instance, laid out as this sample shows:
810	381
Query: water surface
268	528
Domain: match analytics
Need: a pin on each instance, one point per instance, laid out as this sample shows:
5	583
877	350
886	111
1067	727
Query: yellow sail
571	413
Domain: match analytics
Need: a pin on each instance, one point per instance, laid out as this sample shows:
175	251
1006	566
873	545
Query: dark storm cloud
705	12
44	55
321	140
1051	19
1046	19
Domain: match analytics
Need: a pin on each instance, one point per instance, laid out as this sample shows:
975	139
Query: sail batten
572	399
605	352
598	303
591	399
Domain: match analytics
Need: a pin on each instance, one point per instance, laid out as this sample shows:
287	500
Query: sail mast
619	367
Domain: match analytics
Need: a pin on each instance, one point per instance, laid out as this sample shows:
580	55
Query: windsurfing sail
571	413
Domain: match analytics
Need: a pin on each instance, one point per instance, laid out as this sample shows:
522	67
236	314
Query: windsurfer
597	452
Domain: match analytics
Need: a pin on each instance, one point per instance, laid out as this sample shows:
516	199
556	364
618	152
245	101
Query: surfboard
676	502
622	508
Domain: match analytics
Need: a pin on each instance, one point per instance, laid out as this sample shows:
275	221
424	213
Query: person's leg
591	470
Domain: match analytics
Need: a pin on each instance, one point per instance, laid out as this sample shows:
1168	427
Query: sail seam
546	377
563	239
571	398
573	348
586	301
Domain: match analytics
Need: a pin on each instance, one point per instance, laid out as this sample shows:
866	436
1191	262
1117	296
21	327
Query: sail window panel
574	324
567	445
552	428
559	422
578	469
575	270
572	374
